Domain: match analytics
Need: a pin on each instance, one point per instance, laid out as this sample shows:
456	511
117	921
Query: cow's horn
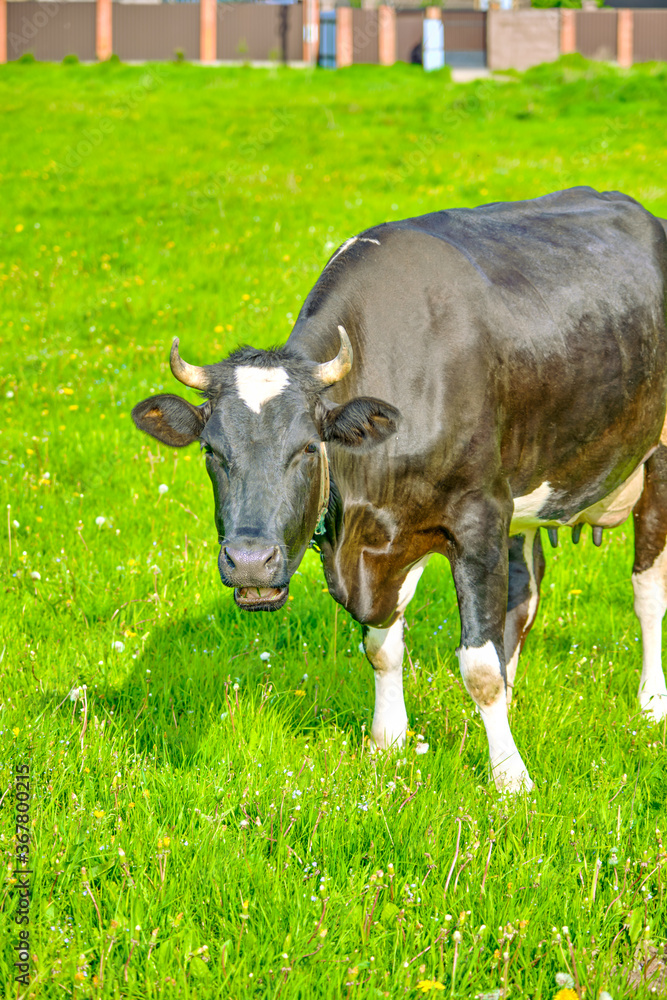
191	375
334	371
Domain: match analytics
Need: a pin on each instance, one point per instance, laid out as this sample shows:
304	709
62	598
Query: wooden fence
219	32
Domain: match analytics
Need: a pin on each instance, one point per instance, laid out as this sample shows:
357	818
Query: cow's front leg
384	648
480	569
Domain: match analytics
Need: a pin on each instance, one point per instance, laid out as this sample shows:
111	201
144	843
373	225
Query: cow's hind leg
649	581
526	569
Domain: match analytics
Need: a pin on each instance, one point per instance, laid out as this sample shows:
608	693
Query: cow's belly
609	512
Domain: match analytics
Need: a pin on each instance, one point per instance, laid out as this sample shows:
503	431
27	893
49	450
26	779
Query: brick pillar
344	49
625	41
311	31
208	27
386	35
103	29
568	32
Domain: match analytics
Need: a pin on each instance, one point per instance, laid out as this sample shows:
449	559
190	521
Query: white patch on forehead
256	386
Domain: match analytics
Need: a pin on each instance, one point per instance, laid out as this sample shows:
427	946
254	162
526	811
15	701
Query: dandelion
16	730
99	521
421	748
162	488
9	394
265	656
426	985
564	979
98	813
566	995
16	524
299	694
36	575
118	646
605	996
77	692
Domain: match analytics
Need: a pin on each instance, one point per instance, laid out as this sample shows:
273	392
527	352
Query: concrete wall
519	39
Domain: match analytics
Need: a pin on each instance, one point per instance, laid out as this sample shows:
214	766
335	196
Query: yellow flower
98	813
19	227
299	694
67	391
566	995
425	985
245	297
16	730
576	591
218	329
75	407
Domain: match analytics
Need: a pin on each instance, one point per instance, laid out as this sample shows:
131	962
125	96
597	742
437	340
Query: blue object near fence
433	44
327	54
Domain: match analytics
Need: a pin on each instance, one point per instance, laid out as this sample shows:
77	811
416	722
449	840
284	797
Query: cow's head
263	425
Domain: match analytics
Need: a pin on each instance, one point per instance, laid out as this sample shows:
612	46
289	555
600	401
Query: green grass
206	823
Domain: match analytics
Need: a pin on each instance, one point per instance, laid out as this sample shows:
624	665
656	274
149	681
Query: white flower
35	575
76	692
605	996
99	521
10	394
118	646
163	488
421	748
46	475
265	656
16	524
564	979
456	936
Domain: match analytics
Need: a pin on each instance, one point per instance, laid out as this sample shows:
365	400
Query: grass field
206	820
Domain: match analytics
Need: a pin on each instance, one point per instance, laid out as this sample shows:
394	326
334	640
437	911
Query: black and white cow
496	370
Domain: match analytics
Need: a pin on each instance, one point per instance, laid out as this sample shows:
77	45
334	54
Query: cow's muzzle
257	573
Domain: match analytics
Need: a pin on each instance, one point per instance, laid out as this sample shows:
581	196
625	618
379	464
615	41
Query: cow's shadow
190	674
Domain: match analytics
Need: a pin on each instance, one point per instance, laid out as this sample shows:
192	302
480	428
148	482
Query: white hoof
387	742
511	775
654	706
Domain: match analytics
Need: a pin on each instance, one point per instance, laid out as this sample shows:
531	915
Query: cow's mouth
260	598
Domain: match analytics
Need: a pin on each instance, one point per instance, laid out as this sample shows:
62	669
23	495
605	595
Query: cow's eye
310	449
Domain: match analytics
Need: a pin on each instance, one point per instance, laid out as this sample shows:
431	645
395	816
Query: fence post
311	31
103	29
386	35
625	39
3	31
568	31
344	49
207	30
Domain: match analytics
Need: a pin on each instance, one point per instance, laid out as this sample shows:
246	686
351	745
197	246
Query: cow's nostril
272	556
228	557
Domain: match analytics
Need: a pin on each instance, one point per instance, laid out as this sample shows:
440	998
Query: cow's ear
170	419
360	424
